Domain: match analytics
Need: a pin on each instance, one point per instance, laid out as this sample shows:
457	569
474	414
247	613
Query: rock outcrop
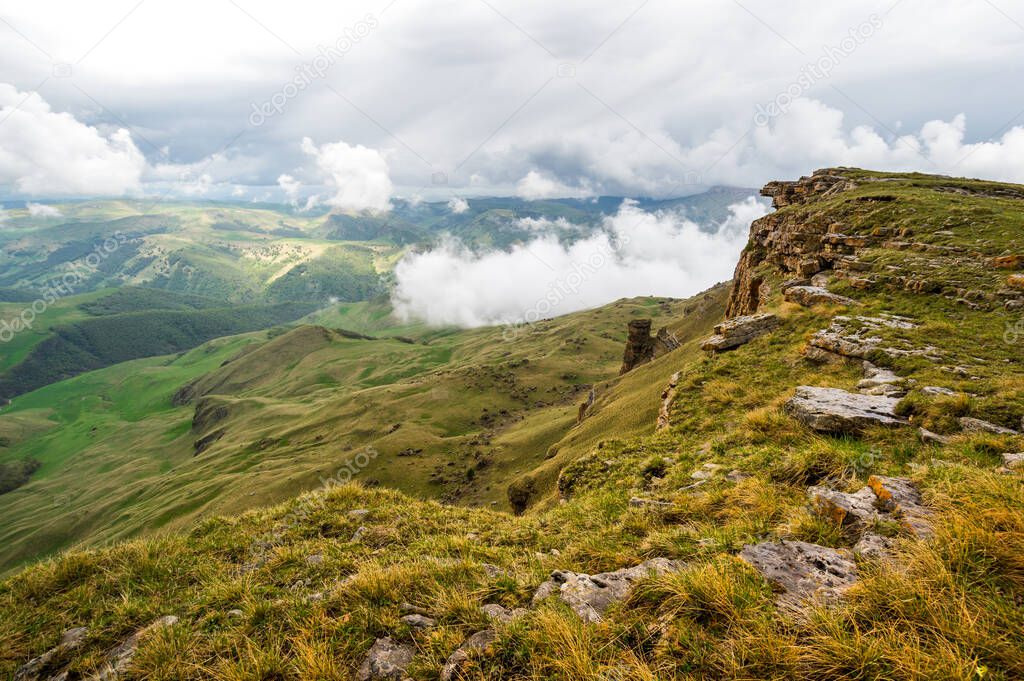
815	295
476	644
667	397
803	572
42	666
789	244
832	410
590	596
738	331
386	660
642	347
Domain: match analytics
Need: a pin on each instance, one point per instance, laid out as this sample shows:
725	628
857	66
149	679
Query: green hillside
895	500
99	342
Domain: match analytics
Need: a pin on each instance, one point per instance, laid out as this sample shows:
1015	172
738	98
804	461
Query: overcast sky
359	103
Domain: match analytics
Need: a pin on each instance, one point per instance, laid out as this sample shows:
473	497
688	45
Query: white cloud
546	224
458	205
636	253
358	174
463	95
290	186
49	153
40	210
538	186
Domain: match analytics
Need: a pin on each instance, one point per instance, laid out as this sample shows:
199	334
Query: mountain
248	254
813	473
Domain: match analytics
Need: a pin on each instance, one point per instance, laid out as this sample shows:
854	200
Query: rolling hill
822	480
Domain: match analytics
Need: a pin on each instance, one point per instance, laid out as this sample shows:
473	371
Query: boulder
590	596
853	510
417	621
815	295
35	668
1013	461
901	497
386	660
804	572
476	644
833	410
973	425
738	331
929	438
937	390
499	613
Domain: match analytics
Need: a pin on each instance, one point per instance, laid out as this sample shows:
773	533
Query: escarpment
789	242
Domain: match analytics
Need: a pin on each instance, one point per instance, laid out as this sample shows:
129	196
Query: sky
353	105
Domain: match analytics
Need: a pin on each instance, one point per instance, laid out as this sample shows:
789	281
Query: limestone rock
738	331
499	613
667	397
35	668
707	471
936	390
651	504
386	660
853	510
642	347
973	425
120	657
873	546
815	295
832	410
901	497
929	438
590	596
418	621
804	572
879	381
475	644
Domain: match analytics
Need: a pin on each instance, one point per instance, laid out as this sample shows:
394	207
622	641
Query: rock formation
735	332
590	596
832	410
642	347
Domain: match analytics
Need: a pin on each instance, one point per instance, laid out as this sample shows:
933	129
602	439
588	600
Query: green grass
947	608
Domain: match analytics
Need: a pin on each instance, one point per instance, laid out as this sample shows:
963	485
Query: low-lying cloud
358	174
635	253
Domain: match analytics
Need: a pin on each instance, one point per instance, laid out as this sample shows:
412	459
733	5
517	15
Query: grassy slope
946	609
298	406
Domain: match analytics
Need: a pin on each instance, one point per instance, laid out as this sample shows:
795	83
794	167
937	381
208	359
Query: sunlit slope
245	421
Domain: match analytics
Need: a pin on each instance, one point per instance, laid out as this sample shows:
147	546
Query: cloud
40	210
636	253
47	153
457	205
358	174
546	224
290	186
538	186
